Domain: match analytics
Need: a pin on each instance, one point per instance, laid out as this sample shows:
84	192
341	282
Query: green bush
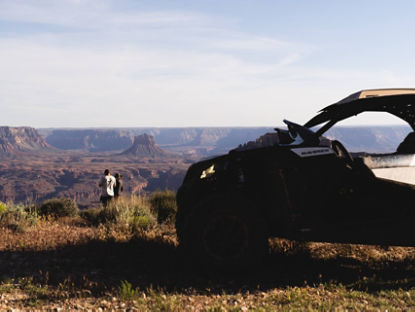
3	207
92	215
127	292
132	211
17	217
139	216
111	214
58	207
163	204
95	216
140	223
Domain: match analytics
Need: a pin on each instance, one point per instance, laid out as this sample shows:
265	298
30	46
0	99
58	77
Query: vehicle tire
225	233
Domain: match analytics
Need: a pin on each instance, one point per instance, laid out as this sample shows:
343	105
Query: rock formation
14	140
145	146
92	140
180	140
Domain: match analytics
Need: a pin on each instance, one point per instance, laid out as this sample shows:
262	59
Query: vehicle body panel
307	189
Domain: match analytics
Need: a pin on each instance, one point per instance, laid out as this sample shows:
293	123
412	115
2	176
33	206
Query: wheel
341	151
225	233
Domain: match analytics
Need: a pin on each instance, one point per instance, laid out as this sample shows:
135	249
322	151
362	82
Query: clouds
116	63
96	15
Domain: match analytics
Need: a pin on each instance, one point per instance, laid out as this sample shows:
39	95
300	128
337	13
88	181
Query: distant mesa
145	146
92	140
14	140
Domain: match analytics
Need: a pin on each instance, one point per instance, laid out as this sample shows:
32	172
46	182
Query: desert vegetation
125	257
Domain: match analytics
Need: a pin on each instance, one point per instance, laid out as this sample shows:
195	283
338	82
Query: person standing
107	184
118	186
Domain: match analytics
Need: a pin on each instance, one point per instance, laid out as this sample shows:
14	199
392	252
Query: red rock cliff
21	139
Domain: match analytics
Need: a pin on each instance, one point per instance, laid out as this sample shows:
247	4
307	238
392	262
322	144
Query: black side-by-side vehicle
297	184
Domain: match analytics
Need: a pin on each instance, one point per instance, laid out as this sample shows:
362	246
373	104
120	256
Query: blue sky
75	63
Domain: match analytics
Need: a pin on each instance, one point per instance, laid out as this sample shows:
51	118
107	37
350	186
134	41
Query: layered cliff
14	140
174	139
93	140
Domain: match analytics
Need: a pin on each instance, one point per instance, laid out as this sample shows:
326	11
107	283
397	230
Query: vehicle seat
407	146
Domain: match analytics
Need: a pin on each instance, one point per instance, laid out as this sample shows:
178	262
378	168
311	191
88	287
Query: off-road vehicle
297	184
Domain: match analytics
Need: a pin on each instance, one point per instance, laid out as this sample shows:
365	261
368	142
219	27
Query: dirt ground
67	265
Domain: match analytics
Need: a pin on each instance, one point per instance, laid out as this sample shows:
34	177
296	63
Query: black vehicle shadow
155	263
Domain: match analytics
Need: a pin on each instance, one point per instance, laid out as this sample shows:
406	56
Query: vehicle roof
398	102
375	93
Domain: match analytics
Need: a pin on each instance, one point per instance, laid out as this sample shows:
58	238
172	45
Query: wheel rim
225	238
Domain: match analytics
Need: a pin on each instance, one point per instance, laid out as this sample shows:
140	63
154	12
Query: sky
179	63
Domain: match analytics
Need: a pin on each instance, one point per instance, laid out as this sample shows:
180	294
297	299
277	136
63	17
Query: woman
118	188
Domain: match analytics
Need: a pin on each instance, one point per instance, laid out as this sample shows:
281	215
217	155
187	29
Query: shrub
58	207
131	211
110	214
140	223
163	203
3	207
126	291
17	217
126	211
92	215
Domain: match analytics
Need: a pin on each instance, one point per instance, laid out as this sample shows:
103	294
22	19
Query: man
107	184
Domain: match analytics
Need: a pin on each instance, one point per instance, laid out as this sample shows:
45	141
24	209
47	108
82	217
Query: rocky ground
68	265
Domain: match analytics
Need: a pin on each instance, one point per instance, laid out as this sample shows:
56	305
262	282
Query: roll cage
398	102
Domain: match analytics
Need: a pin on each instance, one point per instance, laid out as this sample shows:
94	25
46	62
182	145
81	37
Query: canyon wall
21	139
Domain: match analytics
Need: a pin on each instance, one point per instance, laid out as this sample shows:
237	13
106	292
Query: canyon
37	164
32	170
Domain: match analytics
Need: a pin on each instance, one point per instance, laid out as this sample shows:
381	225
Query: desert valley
95	262
37	164
41	164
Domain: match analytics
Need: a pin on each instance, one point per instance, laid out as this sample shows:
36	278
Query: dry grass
73	264
48	235
329	251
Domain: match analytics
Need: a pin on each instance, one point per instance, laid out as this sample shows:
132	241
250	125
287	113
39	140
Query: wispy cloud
92	14
120	66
